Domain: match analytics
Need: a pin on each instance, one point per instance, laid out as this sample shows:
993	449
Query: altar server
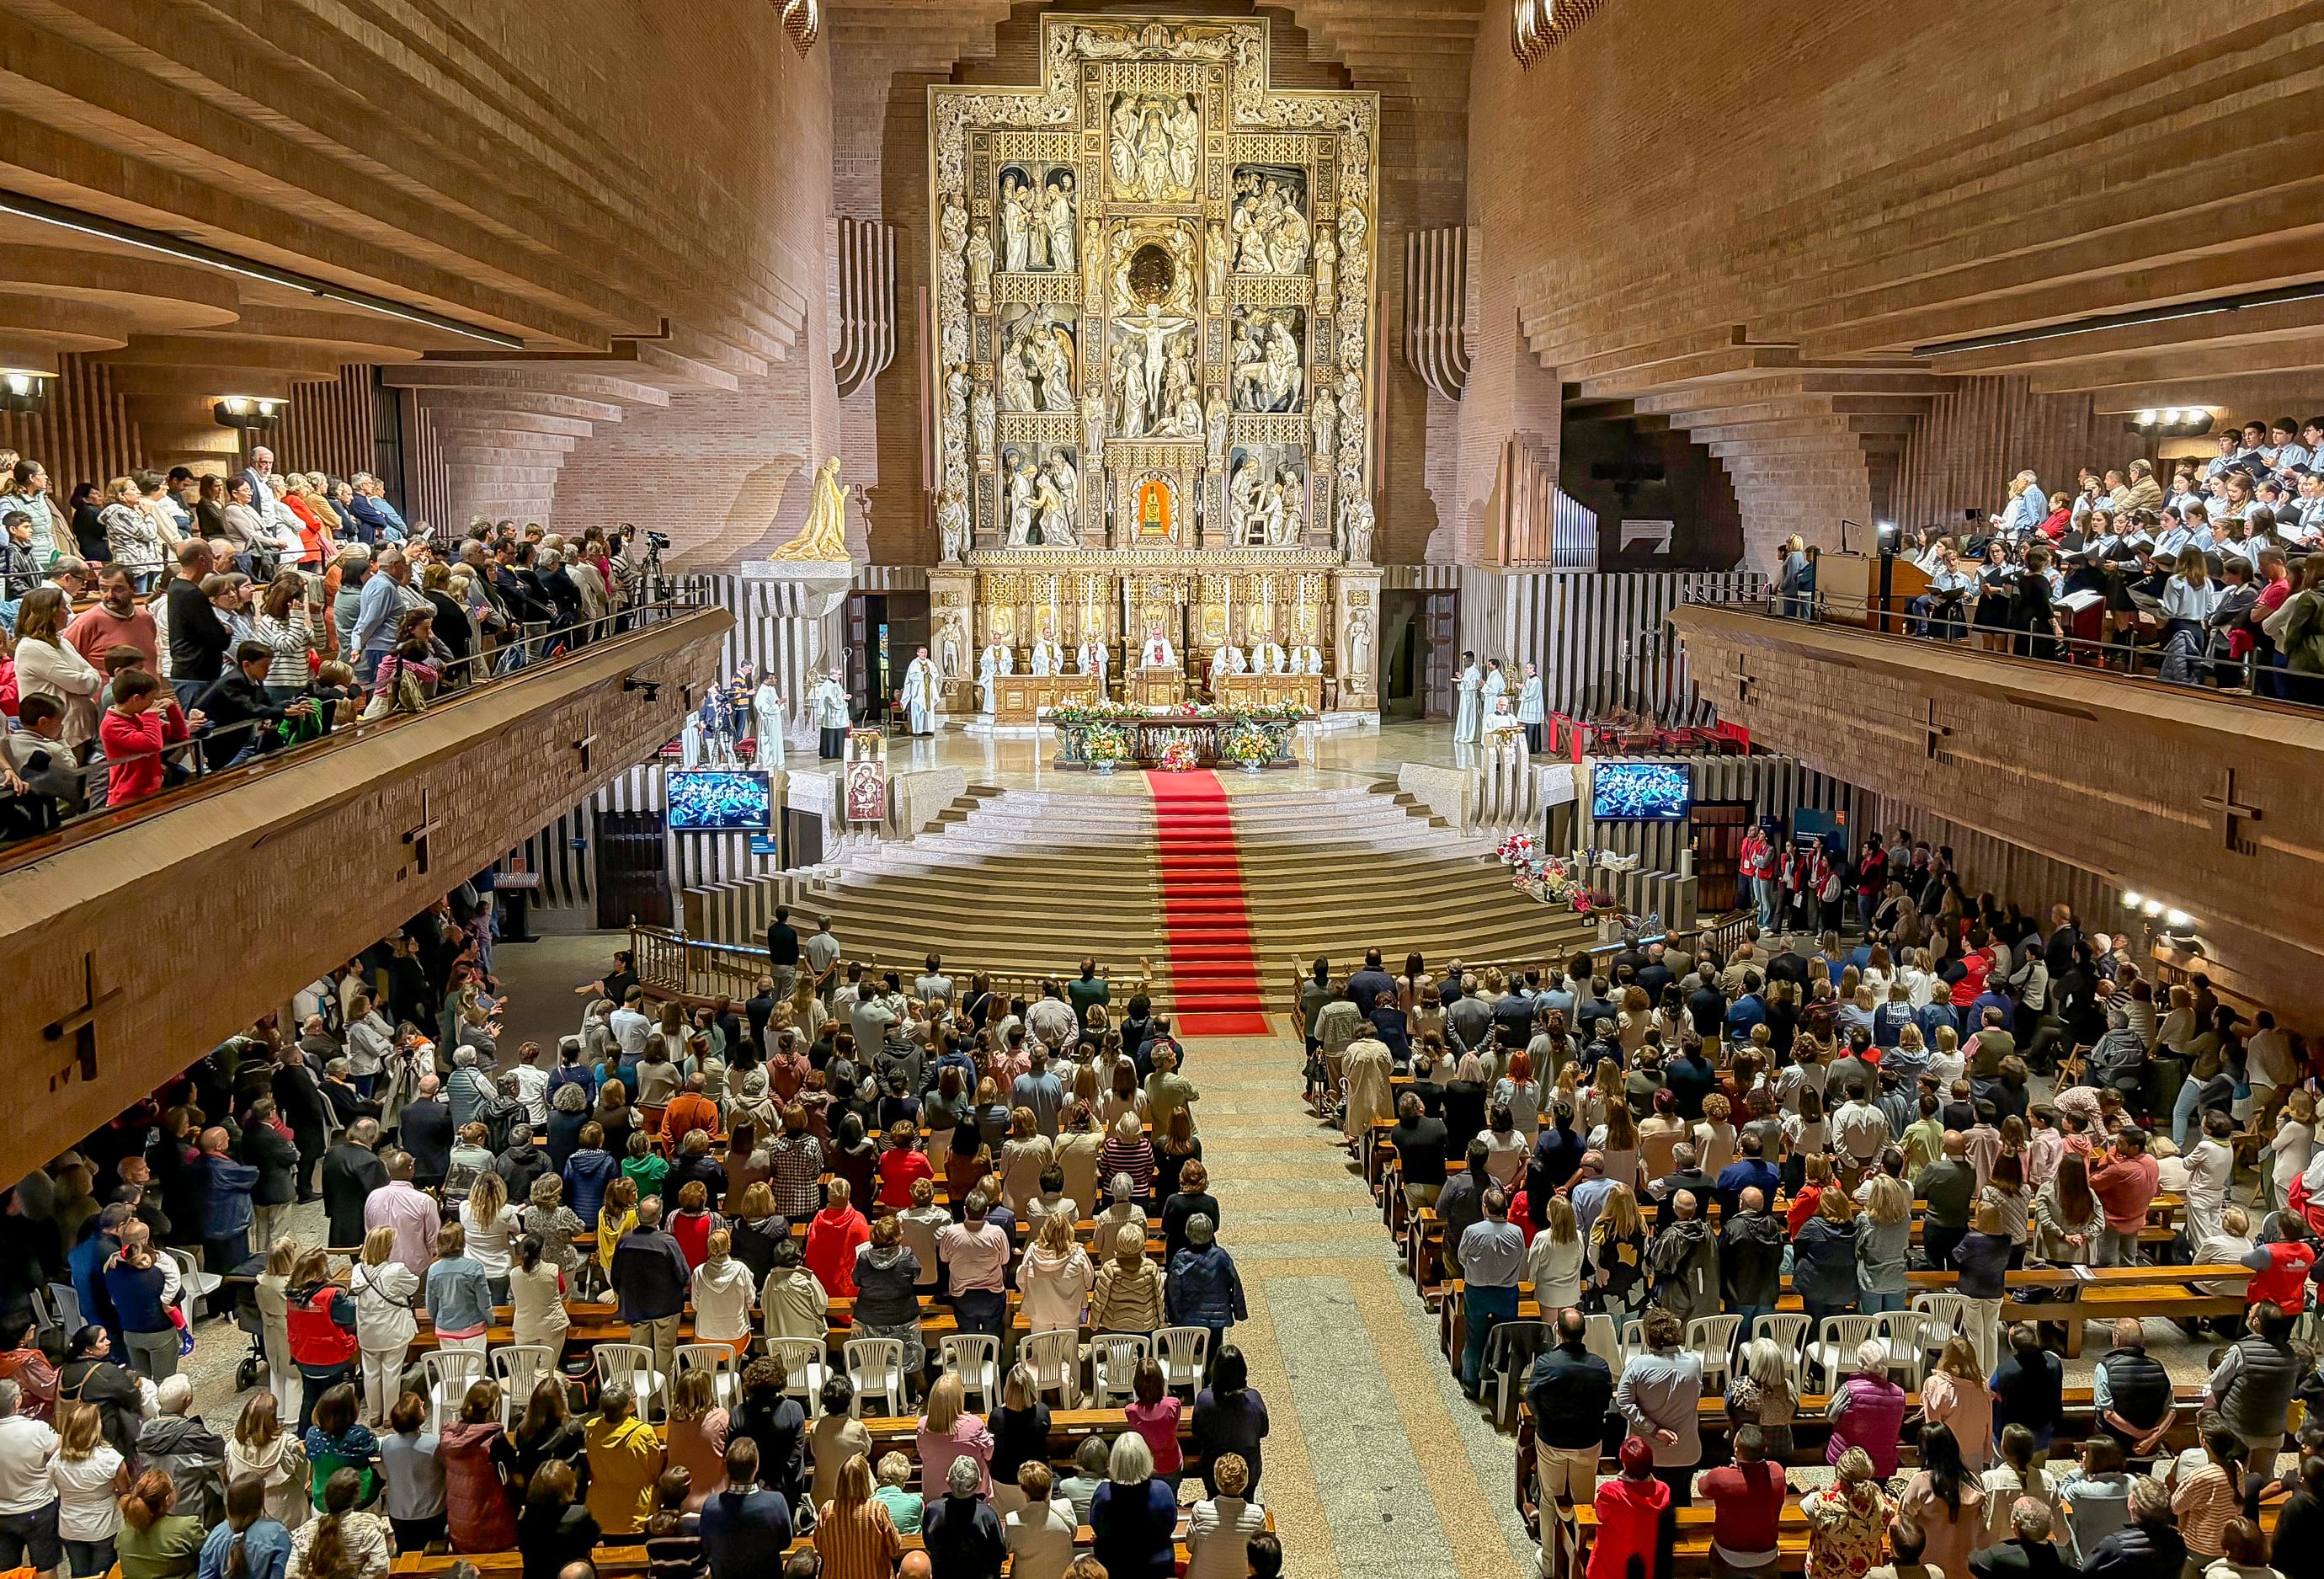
1530	711
831	715
1496	686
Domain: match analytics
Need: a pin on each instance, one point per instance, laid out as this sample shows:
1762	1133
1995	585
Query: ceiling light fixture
2130	900
2246	300
195	252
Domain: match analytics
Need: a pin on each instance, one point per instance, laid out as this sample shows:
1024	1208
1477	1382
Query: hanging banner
866	776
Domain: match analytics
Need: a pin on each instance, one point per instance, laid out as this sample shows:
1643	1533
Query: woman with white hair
1867	1412
1762	1395
1134	1515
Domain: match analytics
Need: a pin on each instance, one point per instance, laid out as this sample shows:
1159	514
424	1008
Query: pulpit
1156	687
1265	690
1022	698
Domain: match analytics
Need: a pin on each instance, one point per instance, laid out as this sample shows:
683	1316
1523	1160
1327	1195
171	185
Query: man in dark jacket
1751	1259
275	1156
2149	1547
183	1446
649	1277
225	1189
299	1100
1569	1391
241	716
744	1522
426	1131
1461	1204
198	639
1556	1156
522	1164
2028	1554
1684	1176
352	1171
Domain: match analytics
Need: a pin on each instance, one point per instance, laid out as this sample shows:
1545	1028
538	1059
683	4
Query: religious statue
1268	372
979	267
1327	254
1093	428
955	388
1292	524
1059	220
952	226
823	541
948	647
1246	499
1218	259
1123	147
1355	669
1325	420
1355	538
1288	248
1016	380
1185	129
952	525
1016	225
1052	510
982	419
1019	487
1214	421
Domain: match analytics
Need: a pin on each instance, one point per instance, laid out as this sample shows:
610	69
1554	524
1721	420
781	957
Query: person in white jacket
1219	1532
386	1292
48	665
369	1040
722	1295
1056	1278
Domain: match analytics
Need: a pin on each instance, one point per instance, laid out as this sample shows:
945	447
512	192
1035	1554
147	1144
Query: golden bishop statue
824	540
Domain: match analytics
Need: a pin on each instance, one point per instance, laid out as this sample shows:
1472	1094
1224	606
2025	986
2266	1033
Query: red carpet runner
1213	972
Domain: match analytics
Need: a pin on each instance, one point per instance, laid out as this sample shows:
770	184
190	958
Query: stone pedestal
953	639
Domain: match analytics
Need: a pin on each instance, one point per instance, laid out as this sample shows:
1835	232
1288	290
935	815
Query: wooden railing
670	964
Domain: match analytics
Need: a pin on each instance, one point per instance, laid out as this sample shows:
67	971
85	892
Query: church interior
1441	788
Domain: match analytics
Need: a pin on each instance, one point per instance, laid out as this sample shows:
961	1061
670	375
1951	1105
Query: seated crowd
738	1191
2218	571
1690	1165
171	625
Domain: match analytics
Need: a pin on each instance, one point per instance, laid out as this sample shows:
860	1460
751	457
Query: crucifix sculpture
418	838
80	1026
2230	811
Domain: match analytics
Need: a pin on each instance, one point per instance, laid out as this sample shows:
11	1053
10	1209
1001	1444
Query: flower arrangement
1179	757
1249	749
1105	744
1516	850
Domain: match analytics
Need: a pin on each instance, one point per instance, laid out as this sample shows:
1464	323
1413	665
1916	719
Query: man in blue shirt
1369	983
1750	1171
744	1522
376	520
378	614
1747	1011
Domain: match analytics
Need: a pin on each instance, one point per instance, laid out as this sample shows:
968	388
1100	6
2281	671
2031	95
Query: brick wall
199	919
2107	775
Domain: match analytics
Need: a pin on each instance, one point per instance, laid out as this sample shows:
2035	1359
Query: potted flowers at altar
1180	757
1516	850
1104	746
1249	750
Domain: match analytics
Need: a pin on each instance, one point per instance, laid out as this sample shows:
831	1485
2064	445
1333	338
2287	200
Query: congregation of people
735	1191
1698	1167
172	624
2206	569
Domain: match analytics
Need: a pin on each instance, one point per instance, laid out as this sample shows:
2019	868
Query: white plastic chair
1184	1352
631	1365
718	1359
1944	1313
449	1372
1597	1337
1790	1333
1833	1353
976	1359
806	1362
876	1367
1633	1343
1899	1332
1056	1361
1713	1338
518	1369
197	1285
1114	1359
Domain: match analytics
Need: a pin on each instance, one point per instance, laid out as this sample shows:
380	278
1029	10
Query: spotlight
2176	919
2147	418
2152	907
246	411
24	392
2130	900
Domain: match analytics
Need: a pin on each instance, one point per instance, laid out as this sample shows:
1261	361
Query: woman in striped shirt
854	1535
1128	1150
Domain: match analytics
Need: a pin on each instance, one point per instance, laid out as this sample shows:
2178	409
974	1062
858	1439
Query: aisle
1376	1466
1213	971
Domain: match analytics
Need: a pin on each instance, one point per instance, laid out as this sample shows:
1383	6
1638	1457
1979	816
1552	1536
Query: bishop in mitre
920	693
824	540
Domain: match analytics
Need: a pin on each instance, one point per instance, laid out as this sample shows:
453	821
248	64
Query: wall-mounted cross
2230	811
80	1026
1938	733
588	738
418	838
1744	683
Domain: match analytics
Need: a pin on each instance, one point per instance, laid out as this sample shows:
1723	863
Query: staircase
1214	981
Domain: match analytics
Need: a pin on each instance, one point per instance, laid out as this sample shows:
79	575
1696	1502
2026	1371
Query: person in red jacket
902	1165
1634	1519
833	1238
143	721
477	1463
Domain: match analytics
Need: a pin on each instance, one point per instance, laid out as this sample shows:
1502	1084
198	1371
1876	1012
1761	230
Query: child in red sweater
144	720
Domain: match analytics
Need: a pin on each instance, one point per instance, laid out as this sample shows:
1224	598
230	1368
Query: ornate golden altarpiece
1156	346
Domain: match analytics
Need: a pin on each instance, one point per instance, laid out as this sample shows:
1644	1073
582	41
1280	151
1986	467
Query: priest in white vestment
999	659
1306	659
1227	660
1267	657
1048	658
1157	653
766	723
920	693
1090	659
831	716
1531	712
1465	720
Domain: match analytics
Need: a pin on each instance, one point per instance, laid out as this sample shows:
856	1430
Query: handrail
670	964
98	820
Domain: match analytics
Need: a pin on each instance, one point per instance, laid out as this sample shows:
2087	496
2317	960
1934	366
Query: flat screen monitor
1640	792
718	800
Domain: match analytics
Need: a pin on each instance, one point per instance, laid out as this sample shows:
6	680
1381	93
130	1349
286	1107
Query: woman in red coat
478	1462
832	1237
1634	1519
